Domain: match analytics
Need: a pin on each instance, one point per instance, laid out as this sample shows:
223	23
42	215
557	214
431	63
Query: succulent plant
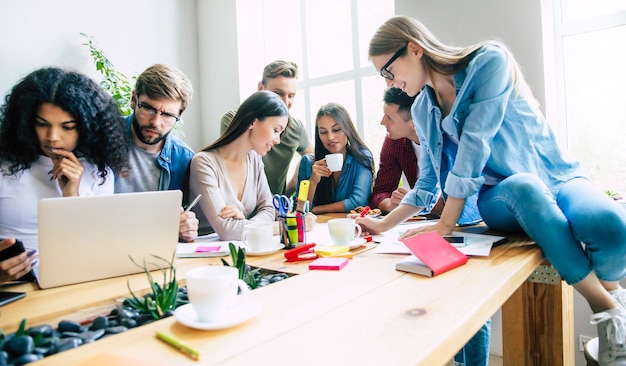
164	297
238	255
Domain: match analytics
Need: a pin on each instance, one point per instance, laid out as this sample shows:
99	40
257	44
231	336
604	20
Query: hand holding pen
188	225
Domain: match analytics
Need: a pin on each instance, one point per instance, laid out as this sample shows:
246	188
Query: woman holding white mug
344	187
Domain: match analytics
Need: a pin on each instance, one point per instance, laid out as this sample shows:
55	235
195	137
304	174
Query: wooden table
365	314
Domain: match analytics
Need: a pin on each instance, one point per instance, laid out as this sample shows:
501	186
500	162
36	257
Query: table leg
538	325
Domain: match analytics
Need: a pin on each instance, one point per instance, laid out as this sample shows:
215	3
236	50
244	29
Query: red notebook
435	252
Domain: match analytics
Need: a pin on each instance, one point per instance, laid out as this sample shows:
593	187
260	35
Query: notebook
435	255
90	238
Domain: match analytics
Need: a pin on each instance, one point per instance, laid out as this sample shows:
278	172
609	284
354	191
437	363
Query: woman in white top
61	135
229	173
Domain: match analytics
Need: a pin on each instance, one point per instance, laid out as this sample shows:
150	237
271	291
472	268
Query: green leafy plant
114	82
164	297
612	194
238	255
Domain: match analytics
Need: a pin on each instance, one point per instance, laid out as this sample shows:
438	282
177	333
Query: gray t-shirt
144	172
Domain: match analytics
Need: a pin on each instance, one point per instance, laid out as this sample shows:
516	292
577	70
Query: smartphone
457	241
9	296
12	251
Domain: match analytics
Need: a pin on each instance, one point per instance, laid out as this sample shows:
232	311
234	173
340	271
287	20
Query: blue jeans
476	350
559	223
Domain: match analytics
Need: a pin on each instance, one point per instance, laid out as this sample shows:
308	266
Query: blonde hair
163	81
399	31
277	68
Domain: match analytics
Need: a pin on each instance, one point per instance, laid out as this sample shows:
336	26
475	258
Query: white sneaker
612	336
620	296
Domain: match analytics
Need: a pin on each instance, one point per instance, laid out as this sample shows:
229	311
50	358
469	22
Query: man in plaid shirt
399	154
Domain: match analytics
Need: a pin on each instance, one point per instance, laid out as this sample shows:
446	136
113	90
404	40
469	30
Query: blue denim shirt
355	182
499	132
173	160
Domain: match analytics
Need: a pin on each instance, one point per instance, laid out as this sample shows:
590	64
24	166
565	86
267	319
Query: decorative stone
99	322
68	326
19	345
26	358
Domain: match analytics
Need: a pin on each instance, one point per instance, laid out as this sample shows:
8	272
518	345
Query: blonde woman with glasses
482	134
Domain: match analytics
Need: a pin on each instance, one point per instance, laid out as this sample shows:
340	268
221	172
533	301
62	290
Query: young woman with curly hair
61	135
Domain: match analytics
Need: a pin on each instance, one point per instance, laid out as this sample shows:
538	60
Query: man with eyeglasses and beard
158	160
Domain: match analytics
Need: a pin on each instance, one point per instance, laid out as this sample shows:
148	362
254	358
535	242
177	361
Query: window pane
340	93
573	10
281	31
373	90
596	125
261	39
329	37
371	15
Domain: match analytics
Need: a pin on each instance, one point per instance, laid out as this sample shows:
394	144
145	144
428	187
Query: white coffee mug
258	236
214	291
334	162
343	231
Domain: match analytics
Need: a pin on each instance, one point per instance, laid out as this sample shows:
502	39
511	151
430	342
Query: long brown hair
356	147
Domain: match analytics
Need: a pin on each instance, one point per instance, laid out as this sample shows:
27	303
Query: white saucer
355	243
248	309
273	249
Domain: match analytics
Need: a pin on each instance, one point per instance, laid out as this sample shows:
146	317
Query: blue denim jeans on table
476	350
579	213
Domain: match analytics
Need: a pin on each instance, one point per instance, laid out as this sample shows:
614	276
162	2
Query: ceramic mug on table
334	162
258	236
343	231
214	291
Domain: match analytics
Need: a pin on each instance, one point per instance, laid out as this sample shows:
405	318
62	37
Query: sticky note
331	250
207	249
329	263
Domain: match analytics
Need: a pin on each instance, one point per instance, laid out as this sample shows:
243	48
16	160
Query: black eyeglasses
145	111
384	72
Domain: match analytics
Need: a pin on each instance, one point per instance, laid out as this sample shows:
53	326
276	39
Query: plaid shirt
396	156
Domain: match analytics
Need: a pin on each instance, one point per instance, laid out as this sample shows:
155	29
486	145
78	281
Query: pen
194	202
179	345
365	211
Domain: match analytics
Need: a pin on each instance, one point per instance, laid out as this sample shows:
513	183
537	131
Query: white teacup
258	236
343	231
334	162
214	291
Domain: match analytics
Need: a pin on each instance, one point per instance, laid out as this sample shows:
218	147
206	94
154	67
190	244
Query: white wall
219	69
464	22
133	33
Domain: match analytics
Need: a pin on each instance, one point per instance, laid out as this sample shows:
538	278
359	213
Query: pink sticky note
206	249
329	263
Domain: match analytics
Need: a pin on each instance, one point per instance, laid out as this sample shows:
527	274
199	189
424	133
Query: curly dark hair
101	129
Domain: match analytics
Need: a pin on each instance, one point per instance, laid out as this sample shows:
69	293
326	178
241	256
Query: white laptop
90	238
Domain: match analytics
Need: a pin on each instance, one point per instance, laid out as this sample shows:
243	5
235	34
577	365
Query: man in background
281	77
158	160
400	153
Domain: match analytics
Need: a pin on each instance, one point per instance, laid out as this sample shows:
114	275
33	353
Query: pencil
194	202
179	345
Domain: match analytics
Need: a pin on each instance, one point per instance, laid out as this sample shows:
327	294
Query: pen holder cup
292	230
